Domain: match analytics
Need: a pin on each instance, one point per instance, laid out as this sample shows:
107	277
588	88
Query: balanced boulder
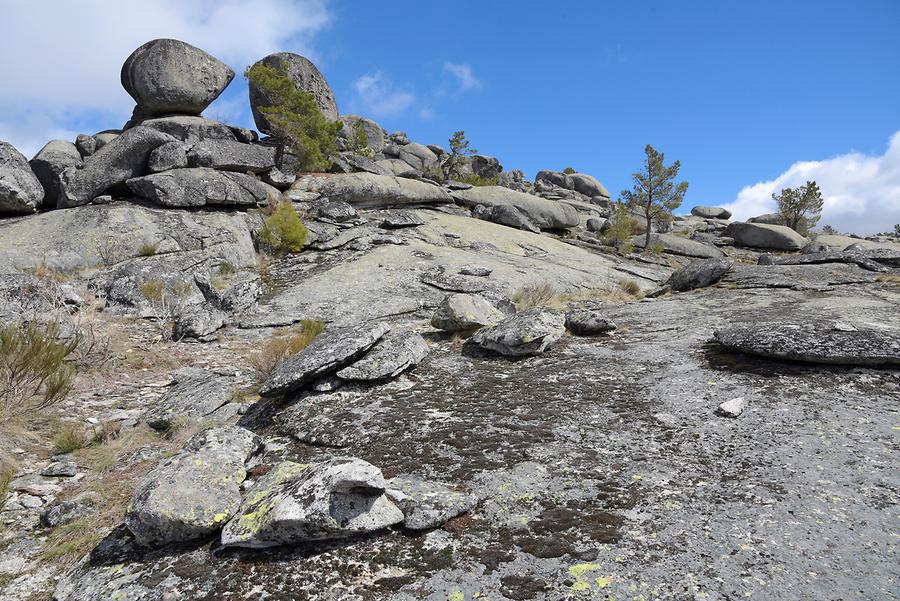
20	190
762	235
529	332
296	502
305	77
49	163
170	76
711	212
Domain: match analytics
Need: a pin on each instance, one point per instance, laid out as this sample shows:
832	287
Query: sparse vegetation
621	228
544	294
278	348
434	173
294	118
656	249
8	470
110	249
535	294
283	231
359	141
801	208
147	249
166	300
828	230
69	437
655	194
477	180
34	372
569	171
459	150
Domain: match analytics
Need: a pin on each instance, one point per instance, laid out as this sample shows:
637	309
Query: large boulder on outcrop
507	215
699	274
677	245
588	185
49	163
170	76
529	332
761	235
711	212
329	352
465	313
201	186
545	214
21	192
193	395
120	160
194	493
368	190
832	342
395	353
232	156
306	77
375	134
418	157
296	502
768	218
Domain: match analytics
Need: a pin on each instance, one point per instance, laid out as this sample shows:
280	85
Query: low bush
535	294
34	371
278	348
283	231
147	249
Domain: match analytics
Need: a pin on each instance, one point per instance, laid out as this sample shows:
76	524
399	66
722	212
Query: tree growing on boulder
359	141
801	208
295	119
459	150
569	171
655	194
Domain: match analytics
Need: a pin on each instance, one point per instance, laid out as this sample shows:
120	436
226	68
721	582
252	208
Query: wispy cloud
861	192
46	86
462	72
378	96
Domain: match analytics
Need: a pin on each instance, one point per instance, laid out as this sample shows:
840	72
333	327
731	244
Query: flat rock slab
328	353
545	214
427	504
296	502
194	394
200	186
368	190
394	354
527	333
840	343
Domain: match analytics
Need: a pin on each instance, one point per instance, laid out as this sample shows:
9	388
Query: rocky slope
500	406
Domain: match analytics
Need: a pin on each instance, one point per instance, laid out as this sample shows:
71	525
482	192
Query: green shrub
68	438
477	180
34	372
657	248
434	173
295	119
283	231
569	171
359	141
8	470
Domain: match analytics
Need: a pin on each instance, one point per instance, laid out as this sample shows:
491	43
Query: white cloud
465	79
60	61
378	96
861	192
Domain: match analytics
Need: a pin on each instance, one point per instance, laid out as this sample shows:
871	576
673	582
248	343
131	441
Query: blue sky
749	96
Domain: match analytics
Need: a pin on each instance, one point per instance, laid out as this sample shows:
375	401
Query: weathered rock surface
200	186
507	215
711	212
295	503
49	163
529	332
677	245
763	235
817	341
193	494
375	134
875	259
306	77
20	190
194	394
699	274
329	352
395	353
232	156
191	129
122	159
586	321
417	156
170	76
171	155
465	313
400	219
546	214
371	191
732	408
427	504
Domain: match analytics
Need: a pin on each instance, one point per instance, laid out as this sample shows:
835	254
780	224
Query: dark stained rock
545	214
830	342
198	322
329	352
869	259
397	219
507	215
699	274
191	129
171	155
232	156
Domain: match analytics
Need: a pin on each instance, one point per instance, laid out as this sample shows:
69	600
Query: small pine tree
569	171
655	194
359	141
459	150
801	208
294	118
283	230
828	230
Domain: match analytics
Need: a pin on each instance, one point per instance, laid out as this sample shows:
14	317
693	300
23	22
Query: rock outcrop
49	163
306	77
200	186
543	213
371	191
766	236
530	332
21	192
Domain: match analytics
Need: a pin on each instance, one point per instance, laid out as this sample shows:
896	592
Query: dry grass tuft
535	294
888	279
9	467
542	294
69	437
281	346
